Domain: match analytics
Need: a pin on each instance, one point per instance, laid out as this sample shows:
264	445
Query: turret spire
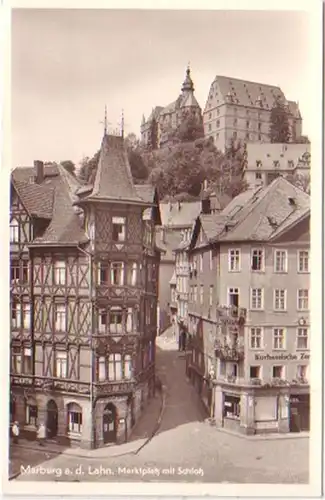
188	83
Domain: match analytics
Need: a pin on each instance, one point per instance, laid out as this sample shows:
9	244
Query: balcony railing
229	352
232	314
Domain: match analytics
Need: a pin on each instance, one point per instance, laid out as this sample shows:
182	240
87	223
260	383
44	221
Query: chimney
39	171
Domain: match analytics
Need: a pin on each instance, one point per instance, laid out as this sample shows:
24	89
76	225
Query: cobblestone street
186	448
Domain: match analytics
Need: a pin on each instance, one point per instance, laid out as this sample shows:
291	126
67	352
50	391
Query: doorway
299	413
52	419
109	424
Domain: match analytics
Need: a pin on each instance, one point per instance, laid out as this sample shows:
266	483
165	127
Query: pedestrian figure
41	434
15	431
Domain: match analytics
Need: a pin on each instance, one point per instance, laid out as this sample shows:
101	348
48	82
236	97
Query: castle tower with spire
162	123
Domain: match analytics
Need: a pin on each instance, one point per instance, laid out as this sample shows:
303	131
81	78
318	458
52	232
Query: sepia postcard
162	254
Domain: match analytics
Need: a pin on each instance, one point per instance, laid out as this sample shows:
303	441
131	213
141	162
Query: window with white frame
302	372
129	320
118	233
16	360
280	261
133	270
28	360
278	371
14	231
256	338
255	371
115	320
128	365
280	299
211	295
61	364
302	338
257	259
101	367
303	299
59	272
115	367
278	338
234	260
201	262
15	314
201	294
257	299
102	320
303	261
59	317
211	260
195	293
117	273
26	316
233	297
74	418
14	271
103	273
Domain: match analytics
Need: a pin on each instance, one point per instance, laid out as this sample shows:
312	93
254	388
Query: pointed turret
143	120
188	85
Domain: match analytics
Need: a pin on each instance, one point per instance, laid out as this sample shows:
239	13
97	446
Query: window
15	314
211	295
201	294
280	261
118	228
14	231
133	274
31	414
210	116
256	298
25	272
302	372
259	126
59	317
128	364
27	360
195	293
247	135
233	297
115	367
303	261
74	418
278	371
103	273
258	176
257	260
234	260
218	110
16	360
59	273
102	321
211	260
61	364
254	372
302	338
256	338
218	123
209	127
235	122
101	368
303	299
278	338
247	123
201	262
129	320
26	316
14	271
280	299
115	320
117	273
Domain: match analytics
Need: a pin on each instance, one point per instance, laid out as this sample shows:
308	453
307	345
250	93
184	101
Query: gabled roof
179	214
113	179
52	199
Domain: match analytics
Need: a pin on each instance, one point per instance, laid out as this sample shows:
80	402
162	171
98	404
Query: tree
69	166
189	129
88	168
279	123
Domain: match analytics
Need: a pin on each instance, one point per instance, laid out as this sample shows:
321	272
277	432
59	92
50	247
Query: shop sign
283	357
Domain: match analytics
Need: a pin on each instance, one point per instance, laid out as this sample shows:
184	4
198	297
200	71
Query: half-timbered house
84	284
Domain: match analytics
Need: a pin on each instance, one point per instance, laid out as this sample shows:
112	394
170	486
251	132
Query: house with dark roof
83	296
164	120
240	110
248	317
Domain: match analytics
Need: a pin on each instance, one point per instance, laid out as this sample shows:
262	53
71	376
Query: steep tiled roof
244	92
179	214
155	113
113	179
52	199
272	209
212	224
146	192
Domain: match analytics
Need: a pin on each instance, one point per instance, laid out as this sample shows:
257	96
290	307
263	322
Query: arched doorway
52	419
109	423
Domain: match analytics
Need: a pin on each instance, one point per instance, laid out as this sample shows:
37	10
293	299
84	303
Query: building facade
84	287
249	346
240	110
158	130
264	162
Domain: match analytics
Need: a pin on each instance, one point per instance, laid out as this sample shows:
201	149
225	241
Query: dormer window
258	163
290	164
276	163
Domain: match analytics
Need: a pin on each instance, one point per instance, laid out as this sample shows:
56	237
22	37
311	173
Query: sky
67	64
